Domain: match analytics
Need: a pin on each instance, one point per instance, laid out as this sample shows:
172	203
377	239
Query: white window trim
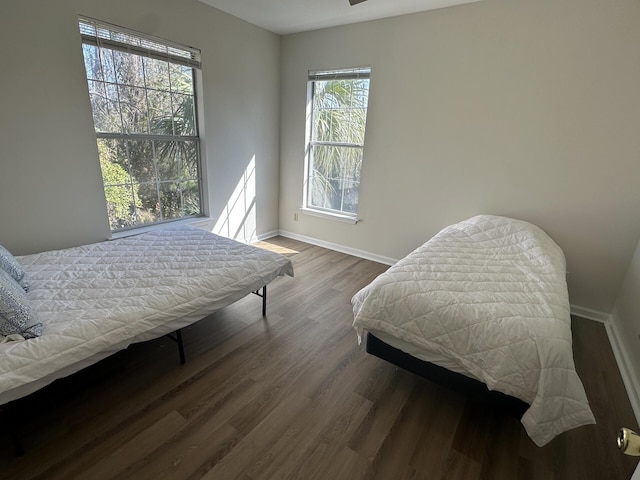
355	72
330	215
150	227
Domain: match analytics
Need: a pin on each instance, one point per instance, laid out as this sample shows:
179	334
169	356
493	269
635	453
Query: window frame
351	73
114	38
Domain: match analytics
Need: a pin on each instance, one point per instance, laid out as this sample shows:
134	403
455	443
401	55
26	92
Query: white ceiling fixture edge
293	16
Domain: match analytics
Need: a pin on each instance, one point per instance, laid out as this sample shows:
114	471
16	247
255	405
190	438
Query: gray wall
528	109
51	193
525	109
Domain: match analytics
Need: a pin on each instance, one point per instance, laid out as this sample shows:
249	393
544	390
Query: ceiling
292	16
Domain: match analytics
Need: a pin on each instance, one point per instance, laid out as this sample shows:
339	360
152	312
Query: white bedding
490	295
97	299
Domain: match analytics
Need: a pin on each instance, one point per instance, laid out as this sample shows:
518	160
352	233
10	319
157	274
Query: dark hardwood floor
293	396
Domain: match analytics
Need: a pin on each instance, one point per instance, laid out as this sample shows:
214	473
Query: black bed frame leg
178	339
264	301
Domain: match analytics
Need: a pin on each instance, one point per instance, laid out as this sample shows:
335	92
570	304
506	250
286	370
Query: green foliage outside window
337	139
144	116
122	197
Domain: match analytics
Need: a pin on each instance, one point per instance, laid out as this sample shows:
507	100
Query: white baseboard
589	314
629	375
627	372
340	248
267	235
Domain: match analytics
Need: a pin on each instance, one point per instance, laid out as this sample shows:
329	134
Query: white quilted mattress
490	295
96	299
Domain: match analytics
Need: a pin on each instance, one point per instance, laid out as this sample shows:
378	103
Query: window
336	120
144	112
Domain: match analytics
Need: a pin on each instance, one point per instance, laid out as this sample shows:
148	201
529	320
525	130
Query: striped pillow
16	312
9	264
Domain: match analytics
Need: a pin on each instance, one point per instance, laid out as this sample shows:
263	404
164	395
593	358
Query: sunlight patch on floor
275	248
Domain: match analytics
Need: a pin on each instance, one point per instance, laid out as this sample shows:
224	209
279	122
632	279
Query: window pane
181	79
149	208
323	193
119	193
133	107
99	104
129	70
340	111
350	193
120	206
360	93
190	198
157	74
358	122
183	115
108	70
92	63
160	114
326	125
113	152
141	160
105	107
168	156
189	161
170	200
335	178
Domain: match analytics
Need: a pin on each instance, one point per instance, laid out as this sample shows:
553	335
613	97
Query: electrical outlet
295	216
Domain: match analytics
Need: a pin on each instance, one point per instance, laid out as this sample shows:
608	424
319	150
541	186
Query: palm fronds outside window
338	101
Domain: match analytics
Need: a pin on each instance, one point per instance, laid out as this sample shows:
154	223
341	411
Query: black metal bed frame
177	335
7	420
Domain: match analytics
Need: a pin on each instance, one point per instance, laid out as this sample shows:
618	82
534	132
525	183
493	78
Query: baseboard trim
589	314
339	248
628	373
267	235
625	367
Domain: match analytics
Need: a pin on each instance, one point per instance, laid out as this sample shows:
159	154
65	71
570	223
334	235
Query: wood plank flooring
293	396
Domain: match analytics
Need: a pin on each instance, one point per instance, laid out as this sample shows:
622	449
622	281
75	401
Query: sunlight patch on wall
238	218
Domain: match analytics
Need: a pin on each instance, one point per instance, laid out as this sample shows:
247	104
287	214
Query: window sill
195	221
330	216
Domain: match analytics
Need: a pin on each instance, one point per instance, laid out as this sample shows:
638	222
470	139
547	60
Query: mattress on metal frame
95	300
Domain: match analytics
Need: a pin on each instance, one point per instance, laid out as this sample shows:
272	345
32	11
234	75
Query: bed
487	299
97	299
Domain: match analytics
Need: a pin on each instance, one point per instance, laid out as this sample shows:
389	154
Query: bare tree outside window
144	113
